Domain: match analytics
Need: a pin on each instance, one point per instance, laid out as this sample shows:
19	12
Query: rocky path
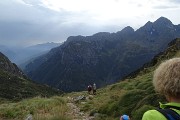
74	111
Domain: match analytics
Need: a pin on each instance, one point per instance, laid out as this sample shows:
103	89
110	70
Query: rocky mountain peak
148	24
162	21
127	29
75	38
101	34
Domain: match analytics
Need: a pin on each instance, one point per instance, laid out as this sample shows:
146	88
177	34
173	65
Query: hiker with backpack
94	89
89	89
166	81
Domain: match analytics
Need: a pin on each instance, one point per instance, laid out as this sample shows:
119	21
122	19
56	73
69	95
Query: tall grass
40	108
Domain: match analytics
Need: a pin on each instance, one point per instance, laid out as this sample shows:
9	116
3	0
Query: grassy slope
132	96
53	108
15	88
16	100
14	85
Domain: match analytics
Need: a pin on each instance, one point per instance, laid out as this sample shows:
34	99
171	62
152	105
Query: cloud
166	7
167	4
25	22
174	1
23	34
32	2
29	22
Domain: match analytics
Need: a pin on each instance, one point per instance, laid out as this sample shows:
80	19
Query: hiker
89	89
166	81
94	89
124	117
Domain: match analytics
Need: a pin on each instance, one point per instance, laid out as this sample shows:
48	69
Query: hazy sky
27	22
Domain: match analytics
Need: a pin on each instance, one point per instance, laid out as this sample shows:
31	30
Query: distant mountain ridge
44	46
102	58
20	55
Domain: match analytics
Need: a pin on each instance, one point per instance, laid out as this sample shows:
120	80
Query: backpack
170	114
89	87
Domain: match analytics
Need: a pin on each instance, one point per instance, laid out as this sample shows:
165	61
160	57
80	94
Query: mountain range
103	58
132	96
21	55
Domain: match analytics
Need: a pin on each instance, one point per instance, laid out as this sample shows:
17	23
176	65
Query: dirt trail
74	111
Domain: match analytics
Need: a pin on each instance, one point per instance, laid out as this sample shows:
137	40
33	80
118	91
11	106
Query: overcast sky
27	22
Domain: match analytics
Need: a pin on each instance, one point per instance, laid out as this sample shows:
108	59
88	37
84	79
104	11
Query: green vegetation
15	88
132	96
14	85
139	96
53	108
